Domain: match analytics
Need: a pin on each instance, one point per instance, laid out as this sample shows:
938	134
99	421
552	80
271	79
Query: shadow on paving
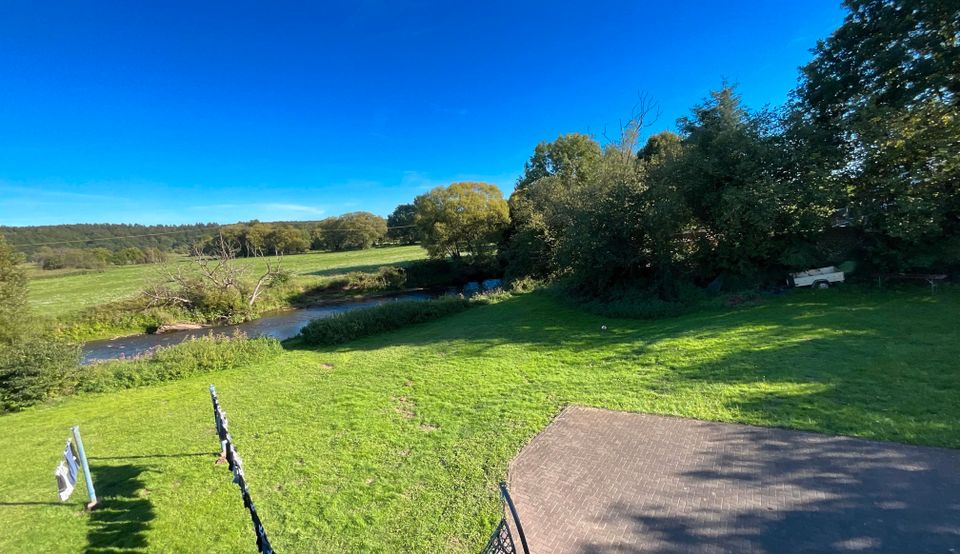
815	494
606	482
123	516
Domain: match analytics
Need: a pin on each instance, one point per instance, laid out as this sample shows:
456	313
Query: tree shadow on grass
153	456
873	365
123	514
538	321
365	268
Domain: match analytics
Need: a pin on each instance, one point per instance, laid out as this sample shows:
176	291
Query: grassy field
68	292
395	443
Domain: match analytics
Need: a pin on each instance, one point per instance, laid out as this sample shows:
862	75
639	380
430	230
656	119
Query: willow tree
461	220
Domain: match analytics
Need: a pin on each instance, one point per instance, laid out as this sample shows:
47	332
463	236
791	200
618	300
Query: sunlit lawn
395	443
66	292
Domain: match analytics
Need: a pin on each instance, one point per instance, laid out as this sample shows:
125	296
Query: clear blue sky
167	112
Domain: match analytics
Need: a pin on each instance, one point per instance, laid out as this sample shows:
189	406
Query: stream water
281	324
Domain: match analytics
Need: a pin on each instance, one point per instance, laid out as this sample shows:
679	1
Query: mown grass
71	292
395	443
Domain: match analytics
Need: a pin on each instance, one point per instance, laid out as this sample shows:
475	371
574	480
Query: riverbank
94	306
279	324
72	292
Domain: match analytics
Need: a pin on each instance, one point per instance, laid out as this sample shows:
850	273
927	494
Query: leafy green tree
402	224
463	219
660	148
883	92
255	238
32	364
569	156
13	292
351	231
540	206
729	174
128	256
286	239
110	236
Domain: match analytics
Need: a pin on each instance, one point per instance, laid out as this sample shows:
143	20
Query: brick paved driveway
597	481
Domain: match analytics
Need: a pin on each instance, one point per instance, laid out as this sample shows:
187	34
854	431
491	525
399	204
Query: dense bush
121	317
386	278
442	273
40	367
351	325
635	303
62	258
191	357
34	368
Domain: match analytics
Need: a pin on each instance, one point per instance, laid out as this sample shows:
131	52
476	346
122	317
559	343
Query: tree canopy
402	224
461	220
350	231
13	292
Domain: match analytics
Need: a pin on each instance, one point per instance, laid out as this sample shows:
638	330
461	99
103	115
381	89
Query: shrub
34	368
442	273
61	258
636	303
118	318
351	325
191	357
386	277
525	284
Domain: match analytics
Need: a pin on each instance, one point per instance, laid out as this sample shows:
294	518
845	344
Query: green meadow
395	442
60	293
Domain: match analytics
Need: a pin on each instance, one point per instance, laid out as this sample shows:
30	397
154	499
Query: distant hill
107	235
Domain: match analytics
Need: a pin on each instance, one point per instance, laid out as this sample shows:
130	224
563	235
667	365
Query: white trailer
817	278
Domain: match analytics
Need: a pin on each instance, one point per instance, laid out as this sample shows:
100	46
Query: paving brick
599	481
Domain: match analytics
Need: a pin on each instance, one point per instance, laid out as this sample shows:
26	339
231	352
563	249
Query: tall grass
191	357
348	326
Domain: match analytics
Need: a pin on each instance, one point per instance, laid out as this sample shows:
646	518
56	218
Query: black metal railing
228	453
502	539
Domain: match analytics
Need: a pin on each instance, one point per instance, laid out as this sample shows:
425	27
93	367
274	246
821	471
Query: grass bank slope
395	442
67	292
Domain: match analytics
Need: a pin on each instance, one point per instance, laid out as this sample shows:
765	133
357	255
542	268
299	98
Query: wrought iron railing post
501	541
516	518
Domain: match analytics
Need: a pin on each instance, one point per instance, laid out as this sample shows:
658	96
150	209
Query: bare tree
644	114
216	281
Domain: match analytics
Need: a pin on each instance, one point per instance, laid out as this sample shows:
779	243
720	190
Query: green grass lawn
395	443
69	292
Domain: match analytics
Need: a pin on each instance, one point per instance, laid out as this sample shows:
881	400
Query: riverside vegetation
96	305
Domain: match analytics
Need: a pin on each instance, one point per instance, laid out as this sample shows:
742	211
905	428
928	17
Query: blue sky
167	112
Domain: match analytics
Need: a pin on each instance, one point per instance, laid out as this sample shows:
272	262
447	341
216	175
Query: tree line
95	258
95	246
862	164
111	236
351	231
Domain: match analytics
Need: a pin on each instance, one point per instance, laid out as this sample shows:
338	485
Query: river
280	324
